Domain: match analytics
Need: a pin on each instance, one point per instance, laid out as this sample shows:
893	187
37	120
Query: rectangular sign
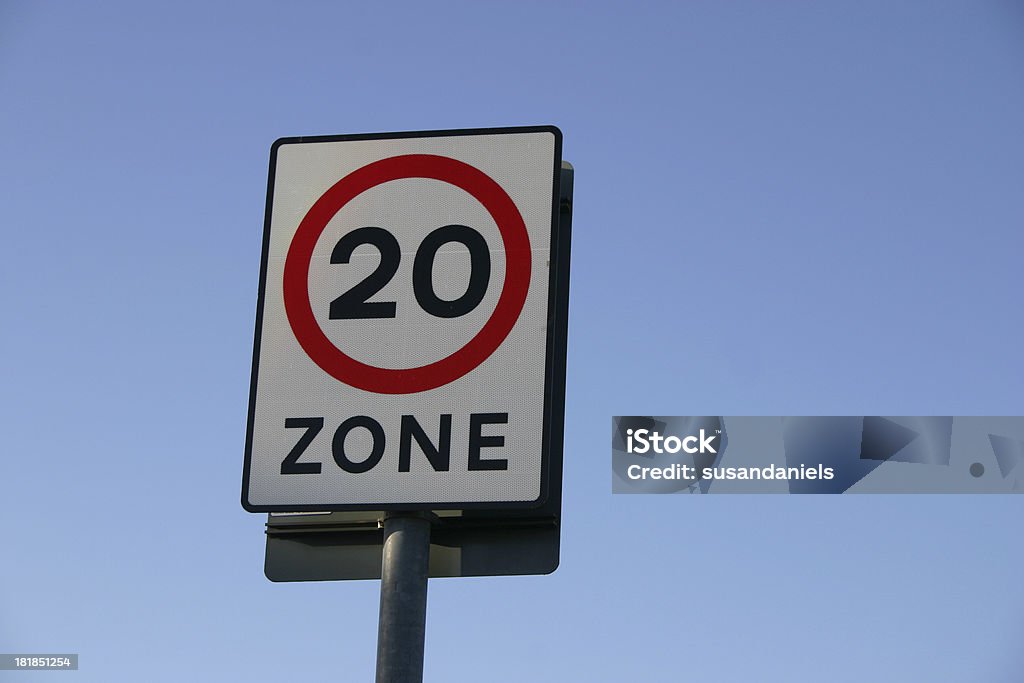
412	287
842	454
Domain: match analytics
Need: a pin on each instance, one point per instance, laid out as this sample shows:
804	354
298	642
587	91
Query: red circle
342	367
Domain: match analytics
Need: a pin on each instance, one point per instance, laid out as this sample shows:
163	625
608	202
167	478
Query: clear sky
784	208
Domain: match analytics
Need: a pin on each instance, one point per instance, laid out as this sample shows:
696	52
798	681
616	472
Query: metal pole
403	598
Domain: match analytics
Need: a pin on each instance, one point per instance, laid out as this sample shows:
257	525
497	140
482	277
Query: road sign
409	349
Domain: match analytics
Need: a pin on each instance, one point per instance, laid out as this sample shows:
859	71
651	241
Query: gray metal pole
403	598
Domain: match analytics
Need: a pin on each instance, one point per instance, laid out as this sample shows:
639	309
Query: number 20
353	304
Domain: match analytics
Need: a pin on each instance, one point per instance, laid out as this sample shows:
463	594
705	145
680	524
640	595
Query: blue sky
785	208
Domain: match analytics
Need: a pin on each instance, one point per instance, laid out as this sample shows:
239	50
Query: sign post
401	630
409	360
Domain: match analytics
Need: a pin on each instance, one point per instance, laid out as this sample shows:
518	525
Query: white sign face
402	357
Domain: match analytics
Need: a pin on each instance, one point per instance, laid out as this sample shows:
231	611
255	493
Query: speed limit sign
409	349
